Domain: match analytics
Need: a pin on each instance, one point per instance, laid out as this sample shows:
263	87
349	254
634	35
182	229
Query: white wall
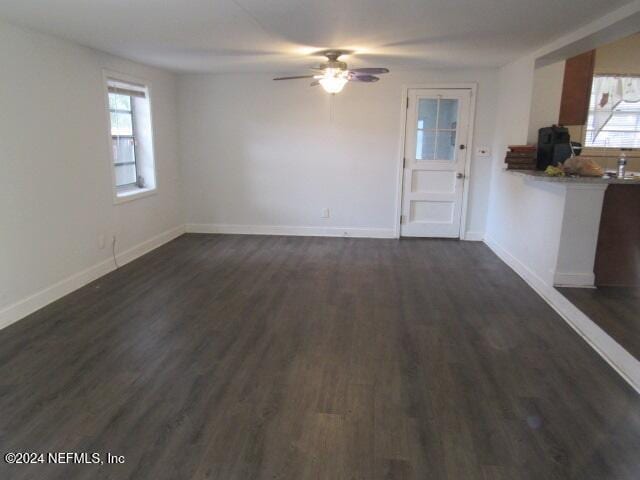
55	179
262	153
545	98
512	200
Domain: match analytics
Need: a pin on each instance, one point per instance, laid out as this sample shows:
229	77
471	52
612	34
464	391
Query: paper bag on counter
583	166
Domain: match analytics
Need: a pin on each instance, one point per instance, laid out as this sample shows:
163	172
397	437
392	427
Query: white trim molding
578	280
356	232
611	351
472	236
134	195
145	247
38	300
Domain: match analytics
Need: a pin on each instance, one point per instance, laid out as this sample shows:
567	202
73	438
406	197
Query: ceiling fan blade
315	83
363	78
293	78
369	71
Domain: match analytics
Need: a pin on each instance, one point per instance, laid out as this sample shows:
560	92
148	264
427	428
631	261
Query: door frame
473	87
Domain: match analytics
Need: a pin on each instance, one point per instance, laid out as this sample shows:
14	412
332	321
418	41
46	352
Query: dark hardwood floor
252	357
615	309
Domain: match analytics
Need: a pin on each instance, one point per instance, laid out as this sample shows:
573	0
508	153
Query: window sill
131	194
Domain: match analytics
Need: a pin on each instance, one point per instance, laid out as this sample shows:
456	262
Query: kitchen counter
539	176
572	220
559	221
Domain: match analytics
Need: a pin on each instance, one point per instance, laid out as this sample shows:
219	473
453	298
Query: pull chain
331	107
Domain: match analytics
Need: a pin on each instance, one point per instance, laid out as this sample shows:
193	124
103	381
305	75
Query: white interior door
435	155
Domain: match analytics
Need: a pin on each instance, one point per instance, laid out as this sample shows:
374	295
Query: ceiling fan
333	74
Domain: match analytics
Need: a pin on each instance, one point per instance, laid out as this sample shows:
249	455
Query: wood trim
576	89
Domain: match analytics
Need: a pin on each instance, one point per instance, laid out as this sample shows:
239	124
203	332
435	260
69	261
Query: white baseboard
145	247
289	230
30	304
582	280
620	360
474	236
528	275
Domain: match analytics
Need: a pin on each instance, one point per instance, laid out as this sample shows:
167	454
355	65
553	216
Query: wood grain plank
266	357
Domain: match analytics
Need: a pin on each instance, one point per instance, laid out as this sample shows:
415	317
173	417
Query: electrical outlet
325	213
483	152
101	241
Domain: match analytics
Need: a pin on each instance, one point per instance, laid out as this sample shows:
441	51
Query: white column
579	235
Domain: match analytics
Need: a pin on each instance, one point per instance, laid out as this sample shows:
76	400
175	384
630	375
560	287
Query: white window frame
129	194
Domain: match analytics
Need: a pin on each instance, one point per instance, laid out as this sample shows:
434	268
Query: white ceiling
278	35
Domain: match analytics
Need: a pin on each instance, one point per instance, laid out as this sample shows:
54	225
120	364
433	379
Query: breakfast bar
587	227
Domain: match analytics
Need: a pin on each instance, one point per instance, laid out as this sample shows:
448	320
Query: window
614	112
436	129
123	139
131	137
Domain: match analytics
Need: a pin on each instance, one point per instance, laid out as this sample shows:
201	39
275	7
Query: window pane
121	124
446	145
119	102
427	113
448	114
619	123
425	145
123	150
125	175
627	121
130	157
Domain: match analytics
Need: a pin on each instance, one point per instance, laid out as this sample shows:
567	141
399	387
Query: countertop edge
540	176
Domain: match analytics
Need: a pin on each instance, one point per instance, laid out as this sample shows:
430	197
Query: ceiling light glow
333	80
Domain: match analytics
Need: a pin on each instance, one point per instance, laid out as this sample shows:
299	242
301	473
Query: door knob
459	175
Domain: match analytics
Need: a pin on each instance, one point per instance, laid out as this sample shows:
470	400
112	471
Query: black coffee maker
554	146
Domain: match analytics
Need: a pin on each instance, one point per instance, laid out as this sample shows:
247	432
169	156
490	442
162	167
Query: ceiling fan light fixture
333	80
333	84
333	74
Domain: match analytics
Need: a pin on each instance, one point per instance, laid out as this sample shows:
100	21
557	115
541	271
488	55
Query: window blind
621	127
130	89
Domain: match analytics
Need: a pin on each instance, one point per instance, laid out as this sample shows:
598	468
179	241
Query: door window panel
425	145
427	113
436	129
448	114
446	145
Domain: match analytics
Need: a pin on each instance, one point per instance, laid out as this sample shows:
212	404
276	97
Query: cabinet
576	89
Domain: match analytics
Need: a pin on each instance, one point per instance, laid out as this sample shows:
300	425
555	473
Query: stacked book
521	157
